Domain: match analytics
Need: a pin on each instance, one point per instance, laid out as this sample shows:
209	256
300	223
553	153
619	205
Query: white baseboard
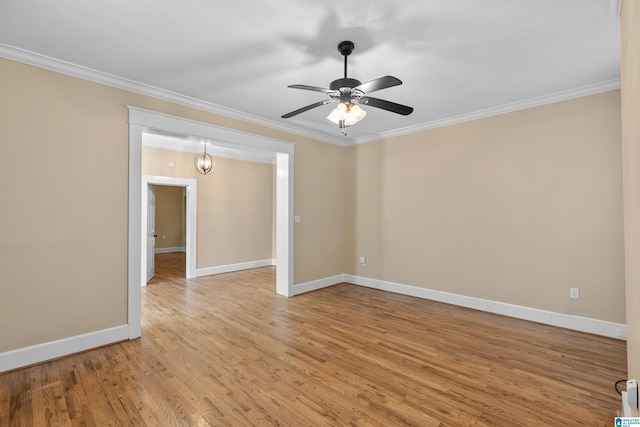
577	323
51	350
317	284
234	267
170	250
42	352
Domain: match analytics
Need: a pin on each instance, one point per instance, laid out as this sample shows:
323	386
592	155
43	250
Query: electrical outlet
575	293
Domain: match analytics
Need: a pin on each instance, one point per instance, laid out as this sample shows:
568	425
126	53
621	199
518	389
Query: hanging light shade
204	163
346	114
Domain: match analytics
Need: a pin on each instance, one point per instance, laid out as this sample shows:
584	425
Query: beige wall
235	205
319	201
235	213
64	187
517	208
170	216
63	227
630	68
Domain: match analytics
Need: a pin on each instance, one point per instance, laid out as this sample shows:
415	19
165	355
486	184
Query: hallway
169	268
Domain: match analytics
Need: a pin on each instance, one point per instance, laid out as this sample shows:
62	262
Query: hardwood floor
226	350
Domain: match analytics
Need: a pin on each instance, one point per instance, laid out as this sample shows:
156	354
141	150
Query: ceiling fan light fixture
346	114
348	89
204	163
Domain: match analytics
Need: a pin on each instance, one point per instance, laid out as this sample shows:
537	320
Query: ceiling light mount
346	47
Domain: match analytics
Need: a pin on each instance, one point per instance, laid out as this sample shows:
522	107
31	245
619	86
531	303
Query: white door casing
151	232
191	190
142	121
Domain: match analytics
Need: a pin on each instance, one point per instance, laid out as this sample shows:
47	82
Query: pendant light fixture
204	163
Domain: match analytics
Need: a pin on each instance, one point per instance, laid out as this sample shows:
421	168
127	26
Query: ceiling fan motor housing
346	82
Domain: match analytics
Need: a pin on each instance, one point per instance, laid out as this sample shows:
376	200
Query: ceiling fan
351	93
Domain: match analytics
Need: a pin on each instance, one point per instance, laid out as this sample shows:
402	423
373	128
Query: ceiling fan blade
307	108
379	83
313	88
386	105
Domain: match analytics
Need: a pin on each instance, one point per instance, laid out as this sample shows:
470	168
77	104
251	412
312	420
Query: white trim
218	135
53	64
584	324
495	111
233	267
142	121
31	58
578	323
191	187
171	250
284	224
134	290
314	285
51	350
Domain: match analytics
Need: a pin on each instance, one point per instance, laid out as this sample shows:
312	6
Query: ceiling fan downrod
345	48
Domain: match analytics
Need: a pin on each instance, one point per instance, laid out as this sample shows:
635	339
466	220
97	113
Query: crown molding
500	109
74	70
46	62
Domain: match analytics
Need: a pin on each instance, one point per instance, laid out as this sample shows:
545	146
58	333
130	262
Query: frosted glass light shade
347	113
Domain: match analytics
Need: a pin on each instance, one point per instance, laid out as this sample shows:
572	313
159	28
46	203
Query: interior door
151	232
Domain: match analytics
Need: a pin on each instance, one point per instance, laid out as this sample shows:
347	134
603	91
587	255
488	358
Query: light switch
296	218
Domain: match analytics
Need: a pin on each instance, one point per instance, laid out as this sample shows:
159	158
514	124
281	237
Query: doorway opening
167	237
147	243
144	121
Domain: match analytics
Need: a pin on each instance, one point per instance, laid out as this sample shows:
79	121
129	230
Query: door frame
145	121
191	187
147	260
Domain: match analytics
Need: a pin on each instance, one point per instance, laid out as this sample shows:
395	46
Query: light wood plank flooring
226	350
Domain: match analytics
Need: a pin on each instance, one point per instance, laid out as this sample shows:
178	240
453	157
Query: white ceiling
458	59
